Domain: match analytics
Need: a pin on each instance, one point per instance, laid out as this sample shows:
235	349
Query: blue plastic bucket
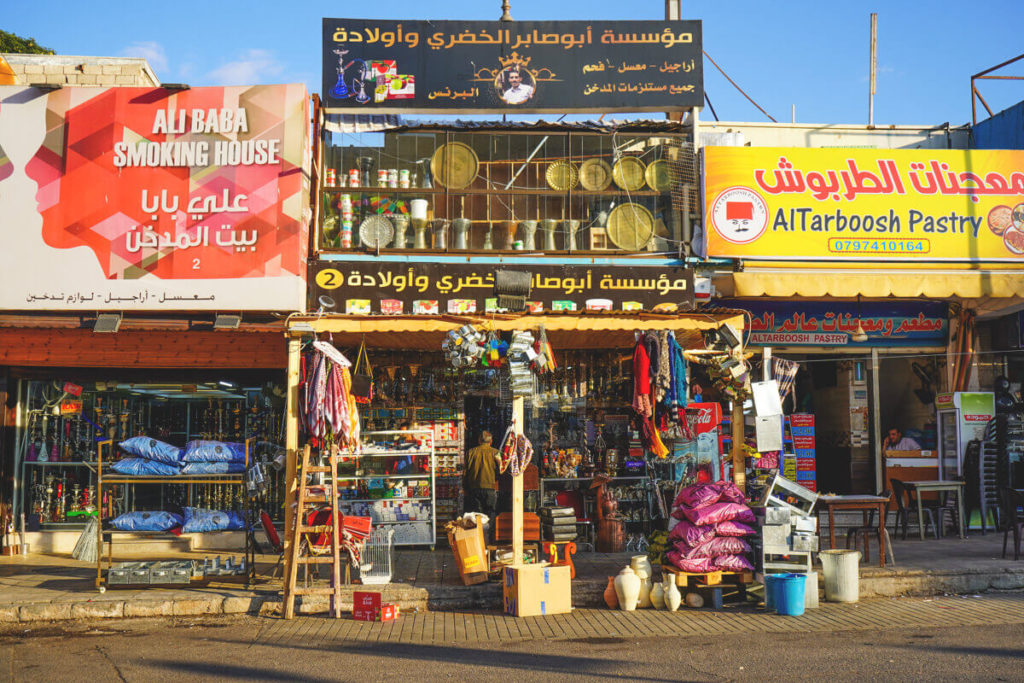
789	594
770	587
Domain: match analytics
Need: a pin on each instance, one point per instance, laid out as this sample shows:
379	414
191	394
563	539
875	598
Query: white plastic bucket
842	575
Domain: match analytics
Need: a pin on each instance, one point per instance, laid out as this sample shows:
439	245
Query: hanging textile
784	372
663	375
642	380
328	407
677	389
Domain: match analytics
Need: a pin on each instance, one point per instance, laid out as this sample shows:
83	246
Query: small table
865	504
916	488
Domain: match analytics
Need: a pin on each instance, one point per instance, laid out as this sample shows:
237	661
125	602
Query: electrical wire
738	88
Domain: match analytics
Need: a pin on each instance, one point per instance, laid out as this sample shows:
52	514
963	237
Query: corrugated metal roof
376	123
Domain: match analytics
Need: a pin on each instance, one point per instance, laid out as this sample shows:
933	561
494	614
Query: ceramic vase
548	226
644	601
460	228
611	597
529	229
627	585
440	227
658	596
401	226
673	598
641	565
570	227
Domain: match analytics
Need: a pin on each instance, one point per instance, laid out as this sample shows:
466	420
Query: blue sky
813	55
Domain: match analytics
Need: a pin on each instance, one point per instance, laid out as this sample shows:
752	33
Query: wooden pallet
685	579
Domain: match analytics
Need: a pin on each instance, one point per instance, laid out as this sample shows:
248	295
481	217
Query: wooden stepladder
306	501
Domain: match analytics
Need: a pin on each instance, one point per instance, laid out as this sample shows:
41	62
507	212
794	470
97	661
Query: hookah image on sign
358	77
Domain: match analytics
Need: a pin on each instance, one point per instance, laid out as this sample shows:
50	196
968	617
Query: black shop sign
523	66
367	288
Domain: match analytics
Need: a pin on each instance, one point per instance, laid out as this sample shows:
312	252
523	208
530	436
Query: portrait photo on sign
515	85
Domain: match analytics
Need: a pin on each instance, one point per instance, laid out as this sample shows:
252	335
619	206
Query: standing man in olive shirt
478	482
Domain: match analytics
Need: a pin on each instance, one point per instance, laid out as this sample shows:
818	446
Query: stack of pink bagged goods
714	519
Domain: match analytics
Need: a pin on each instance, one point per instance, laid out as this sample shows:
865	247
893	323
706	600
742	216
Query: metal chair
854	534
1011	501
904	510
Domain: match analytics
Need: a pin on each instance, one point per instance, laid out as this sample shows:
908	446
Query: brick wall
144	349
82	71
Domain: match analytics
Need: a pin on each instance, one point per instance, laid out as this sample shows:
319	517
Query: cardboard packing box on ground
532	590
468	546
367	606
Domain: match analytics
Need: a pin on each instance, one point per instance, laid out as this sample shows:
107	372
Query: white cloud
252	68
152	52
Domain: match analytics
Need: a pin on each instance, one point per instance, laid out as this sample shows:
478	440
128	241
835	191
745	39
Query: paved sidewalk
312	632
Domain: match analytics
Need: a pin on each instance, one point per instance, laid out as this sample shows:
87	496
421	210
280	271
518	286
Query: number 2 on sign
195	264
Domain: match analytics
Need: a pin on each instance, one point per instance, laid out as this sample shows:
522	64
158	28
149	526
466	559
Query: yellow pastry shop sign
864	204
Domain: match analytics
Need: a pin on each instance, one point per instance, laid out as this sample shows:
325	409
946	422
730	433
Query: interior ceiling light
859	335
107	322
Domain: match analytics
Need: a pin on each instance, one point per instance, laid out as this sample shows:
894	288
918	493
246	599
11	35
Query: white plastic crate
376	565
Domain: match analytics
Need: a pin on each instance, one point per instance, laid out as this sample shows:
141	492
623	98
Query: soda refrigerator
962	416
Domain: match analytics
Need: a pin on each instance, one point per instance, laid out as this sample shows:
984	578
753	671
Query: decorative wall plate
454	165
630	226
628	173
595	175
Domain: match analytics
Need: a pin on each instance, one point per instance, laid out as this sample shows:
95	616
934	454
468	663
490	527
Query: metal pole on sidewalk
291	445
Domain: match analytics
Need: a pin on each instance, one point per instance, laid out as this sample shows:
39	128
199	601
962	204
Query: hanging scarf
642	380
663	375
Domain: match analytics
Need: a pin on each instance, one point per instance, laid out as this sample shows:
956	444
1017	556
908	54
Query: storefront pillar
876	423
517	487
292	448
739	459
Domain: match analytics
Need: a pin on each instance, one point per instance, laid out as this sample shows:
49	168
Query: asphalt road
230	648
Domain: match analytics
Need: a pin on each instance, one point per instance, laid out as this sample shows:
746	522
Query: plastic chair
904	510
1010	501
855	534
574	499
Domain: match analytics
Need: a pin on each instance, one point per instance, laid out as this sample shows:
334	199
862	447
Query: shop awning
877	282
581	331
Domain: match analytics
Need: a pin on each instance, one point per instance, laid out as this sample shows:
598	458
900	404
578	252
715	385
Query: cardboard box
389	612
469	548
365	605
533	590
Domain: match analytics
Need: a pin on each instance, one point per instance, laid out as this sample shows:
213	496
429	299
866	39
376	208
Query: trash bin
789	594
811	591
769	591
842	575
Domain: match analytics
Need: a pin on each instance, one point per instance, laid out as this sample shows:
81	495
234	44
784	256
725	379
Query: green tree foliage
10	42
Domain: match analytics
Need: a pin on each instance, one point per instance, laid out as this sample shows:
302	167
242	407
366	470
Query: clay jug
611	597
627	585
641	564
658	596
673	598
644	601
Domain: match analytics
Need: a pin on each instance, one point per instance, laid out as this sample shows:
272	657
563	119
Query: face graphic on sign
515	85
739	215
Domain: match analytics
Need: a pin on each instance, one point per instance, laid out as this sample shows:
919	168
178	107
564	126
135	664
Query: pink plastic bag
698	495
680	512
733	528
690	534
718	546
698	566
720	512
733	563
731	493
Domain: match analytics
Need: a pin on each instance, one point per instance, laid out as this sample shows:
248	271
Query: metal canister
382	177
331	178
353	177
346	234
393	177
345	202
404	178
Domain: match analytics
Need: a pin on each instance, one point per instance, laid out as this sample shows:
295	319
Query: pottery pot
658	595
627	585
673	598
611	597
641	564
644	601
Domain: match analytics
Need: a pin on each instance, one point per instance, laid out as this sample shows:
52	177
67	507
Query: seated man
897	442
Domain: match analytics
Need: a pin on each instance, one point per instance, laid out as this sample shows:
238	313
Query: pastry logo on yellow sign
739	215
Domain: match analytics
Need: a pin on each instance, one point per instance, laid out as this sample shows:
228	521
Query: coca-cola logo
705	416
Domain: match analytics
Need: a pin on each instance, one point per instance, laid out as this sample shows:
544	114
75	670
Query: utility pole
874	68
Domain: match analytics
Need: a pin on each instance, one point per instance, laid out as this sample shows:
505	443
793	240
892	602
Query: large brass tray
454	165
628	173
595	175
630	226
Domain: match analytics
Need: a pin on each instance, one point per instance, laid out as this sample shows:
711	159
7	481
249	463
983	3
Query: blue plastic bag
144	467
214	451
146	521
213	468
198	520
151	449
